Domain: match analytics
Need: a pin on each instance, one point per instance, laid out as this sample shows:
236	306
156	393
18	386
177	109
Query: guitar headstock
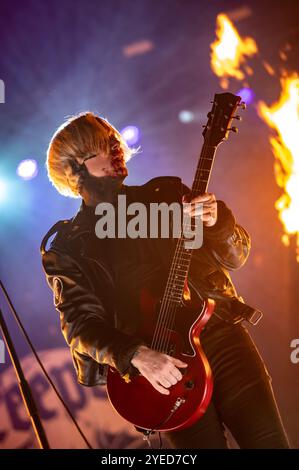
220	117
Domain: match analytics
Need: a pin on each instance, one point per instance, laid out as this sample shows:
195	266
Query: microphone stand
24	388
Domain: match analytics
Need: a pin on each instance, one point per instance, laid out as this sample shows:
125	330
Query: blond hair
79	137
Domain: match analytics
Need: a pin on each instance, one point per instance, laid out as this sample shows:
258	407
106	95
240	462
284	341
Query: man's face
107	165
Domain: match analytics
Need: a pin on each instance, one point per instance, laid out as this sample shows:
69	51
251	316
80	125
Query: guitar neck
203	170
215	131
182	257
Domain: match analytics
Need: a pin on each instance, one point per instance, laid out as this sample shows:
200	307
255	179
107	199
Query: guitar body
138	402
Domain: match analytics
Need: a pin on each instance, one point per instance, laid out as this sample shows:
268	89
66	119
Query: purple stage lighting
130	134
246	94
27	169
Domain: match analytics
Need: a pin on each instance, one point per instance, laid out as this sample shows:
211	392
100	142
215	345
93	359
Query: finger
204	217
160	389
199	210
188	208
207	217
171	379
202	201
177	374
200	207
165	382
178	362
204	198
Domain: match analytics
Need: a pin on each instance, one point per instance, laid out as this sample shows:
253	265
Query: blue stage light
186	116
246	94
27	169
3	191
131	134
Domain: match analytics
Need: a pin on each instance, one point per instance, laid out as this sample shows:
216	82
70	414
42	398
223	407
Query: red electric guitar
172	323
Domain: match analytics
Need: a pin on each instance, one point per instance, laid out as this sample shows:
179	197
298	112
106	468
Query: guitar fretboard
182	257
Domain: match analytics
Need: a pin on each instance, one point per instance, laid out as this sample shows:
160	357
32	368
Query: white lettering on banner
90	407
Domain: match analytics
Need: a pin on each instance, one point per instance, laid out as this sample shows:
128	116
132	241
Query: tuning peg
242	105
234	129
239	118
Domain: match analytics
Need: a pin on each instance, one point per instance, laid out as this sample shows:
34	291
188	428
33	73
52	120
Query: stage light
130	134
3	191
27	169
246	94
186	116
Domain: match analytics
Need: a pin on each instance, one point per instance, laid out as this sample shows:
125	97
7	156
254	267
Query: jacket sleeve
86	325
228	242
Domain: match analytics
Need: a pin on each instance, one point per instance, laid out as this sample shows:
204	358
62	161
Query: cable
42	367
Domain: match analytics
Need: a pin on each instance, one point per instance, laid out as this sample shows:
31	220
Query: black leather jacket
84	289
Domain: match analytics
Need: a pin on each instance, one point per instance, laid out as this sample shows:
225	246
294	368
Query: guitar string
171	319
169	323
168	307
171	312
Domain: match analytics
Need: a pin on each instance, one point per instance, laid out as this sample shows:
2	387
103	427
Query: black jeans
242	399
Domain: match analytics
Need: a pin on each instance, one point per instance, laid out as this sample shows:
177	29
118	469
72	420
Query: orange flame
283	116
229	50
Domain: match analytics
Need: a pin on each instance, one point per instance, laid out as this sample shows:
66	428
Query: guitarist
96	282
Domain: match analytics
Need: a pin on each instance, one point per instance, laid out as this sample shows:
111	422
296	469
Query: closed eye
88	158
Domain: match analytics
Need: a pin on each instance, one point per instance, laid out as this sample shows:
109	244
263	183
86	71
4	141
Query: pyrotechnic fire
229	51
283	116
228	59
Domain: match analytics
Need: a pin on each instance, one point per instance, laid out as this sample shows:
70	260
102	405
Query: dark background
60	58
